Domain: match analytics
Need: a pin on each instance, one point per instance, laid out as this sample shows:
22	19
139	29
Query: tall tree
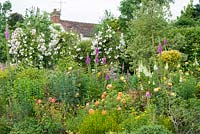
145	30
190	16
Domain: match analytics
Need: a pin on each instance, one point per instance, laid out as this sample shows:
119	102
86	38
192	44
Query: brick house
85	30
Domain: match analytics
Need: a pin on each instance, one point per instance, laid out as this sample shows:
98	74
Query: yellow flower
120	94
186	63
156	89
99	74
169	84
164	78
109	86
173	94
122	79
70	68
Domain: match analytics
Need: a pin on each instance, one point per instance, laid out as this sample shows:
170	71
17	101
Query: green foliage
4	11
65	87
73	122
4	126
92	86
66	63
98	124
187	89
190	40
27	126
29	85
144	34
134	122
184	114
153	129
189	16
85	48
15	18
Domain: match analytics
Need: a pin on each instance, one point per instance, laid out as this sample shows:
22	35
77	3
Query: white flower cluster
15	43
34	48
109	43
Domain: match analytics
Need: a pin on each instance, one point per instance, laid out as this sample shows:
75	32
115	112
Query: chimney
55	16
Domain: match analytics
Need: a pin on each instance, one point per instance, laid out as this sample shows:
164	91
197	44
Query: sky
91	11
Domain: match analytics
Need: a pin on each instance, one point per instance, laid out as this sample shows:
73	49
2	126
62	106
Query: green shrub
187	41
65	88
66	63
98	124
29	85
4	126
92	86
27	126
133	122
152	129
187	89
184	114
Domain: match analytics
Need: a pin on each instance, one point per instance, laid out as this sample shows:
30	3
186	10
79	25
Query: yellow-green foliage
171	57
99	124
4	74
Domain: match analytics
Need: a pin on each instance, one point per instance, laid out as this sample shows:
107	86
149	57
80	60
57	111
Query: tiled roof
86	29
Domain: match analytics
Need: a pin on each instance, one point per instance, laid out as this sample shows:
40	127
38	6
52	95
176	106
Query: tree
13	19
189	16
130	9
145	31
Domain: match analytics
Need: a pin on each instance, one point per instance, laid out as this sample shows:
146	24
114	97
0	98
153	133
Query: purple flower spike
159	48
97	51
96	59
87	60
148	94
107	76
165	41
7	35
104	60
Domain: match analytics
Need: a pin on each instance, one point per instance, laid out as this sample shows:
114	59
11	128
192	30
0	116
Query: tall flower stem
7	47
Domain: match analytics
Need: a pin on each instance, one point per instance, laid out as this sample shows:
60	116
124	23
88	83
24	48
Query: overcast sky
83	10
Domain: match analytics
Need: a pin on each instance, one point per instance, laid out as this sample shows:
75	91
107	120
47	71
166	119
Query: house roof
86	29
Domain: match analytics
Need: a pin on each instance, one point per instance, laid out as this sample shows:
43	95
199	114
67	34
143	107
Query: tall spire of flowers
159	48
7	35
87	61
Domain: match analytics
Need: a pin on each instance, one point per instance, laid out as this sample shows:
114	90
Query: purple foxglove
104	60
159	48
107	76
7	35
87	61
96	59
97	51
